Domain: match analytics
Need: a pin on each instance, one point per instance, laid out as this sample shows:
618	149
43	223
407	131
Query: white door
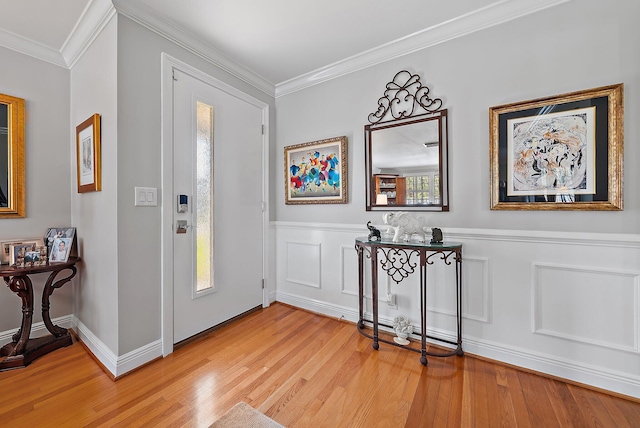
217	239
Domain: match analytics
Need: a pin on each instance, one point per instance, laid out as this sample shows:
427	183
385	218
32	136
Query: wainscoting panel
303	263
607	313
349	270
565	304
475	288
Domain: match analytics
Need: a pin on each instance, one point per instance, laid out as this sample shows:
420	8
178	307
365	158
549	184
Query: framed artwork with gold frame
316	172
88	155
563	152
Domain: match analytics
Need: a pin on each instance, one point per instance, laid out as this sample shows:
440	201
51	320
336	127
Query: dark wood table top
49	267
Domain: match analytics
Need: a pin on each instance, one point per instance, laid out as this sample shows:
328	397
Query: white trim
536	328
148	18
318	266
117	365
530	236
611	380
99	12
37	329
101	351
30	48
170	63
94	18
486	17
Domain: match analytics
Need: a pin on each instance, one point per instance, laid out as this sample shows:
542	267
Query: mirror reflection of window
423	189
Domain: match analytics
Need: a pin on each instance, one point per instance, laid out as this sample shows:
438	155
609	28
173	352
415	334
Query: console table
395	258
23	350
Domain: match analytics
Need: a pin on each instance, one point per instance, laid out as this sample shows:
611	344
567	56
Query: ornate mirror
12	175
406	149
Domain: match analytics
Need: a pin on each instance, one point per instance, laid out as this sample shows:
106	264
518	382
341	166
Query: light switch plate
146	197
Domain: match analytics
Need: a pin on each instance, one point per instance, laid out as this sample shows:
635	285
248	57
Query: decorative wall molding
343	266
546	237
616	292
489	16
485	287
499	302
483	284
304	264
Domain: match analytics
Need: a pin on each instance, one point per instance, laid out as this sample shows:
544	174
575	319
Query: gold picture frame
563	152
316	172
88	155
12	142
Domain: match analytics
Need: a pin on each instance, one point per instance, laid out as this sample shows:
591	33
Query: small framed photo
5	247
58	232
24	254
563	152
316	172
88	155
60	250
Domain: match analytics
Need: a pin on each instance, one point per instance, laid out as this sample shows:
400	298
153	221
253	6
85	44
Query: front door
218	205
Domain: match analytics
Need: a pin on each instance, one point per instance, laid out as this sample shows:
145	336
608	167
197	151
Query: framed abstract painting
316	172
558	153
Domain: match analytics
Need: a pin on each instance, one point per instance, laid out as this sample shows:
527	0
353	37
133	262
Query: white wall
542	290
45	88
93	90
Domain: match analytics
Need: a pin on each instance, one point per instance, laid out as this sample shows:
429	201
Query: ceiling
276	41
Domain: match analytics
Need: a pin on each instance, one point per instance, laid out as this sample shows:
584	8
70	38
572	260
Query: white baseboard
37	329
117	365
618	382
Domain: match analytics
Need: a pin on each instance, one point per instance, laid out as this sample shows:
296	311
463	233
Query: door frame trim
169	64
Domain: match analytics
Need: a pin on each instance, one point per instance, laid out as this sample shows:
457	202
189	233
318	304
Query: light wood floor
303	370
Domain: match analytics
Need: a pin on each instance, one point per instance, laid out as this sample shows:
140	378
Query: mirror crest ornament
406	149
12	159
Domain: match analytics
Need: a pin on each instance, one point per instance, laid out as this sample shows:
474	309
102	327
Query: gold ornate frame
310	174
605	107
16	158
88	155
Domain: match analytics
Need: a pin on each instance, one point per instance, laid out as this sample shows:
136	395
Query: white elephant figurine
404	226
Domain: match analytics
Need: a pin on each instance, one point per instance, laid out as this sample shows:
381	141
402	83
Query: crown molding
489	16
94	18
148	18
30	48
98	13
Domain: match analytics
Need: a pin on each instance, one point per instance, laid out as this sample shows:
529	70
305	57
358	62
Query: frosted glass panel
204	198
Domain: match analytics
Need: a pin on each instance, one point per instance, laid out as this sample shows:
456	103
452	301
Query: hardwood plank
303	370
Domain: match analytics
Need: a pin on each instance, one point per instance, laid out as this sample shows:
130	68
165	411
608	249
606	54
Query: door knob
182	226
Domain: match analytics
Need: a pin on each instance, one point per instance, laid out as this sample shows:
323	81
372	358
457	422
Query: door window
204	197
